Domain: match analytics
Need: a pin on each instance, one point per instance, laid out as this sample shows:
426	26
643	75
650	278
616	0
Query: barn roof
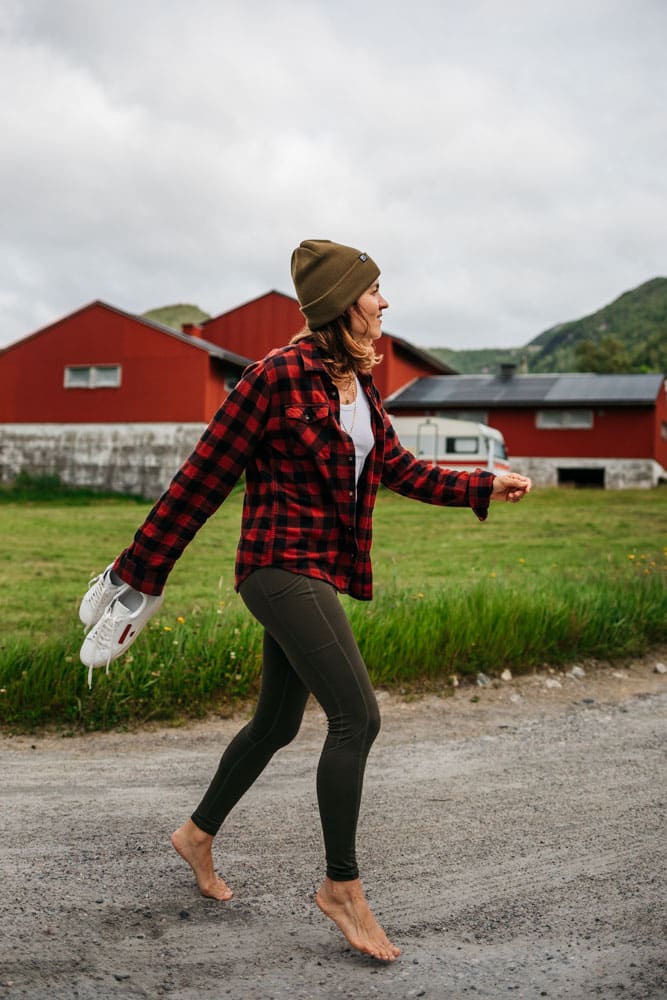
203	345
249	302
199	342
425	357
527	390
213	350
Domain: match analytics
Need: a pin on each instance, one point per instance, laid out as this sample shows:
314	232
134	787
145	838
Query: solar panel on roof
546	390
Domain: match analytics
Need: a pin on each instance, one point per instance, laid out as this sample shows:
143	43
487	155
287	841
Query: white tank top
355	419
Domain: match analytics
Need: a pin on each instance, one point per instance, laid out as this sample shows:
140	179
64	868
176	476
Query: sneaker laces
98	585
105	626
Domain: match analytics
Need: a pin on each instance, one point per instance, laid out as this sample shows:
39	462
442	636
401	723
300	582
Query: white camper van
454	444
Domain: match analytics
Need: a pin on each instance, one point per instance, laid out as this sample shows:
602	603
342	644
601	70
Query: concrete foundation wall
139	459
618	473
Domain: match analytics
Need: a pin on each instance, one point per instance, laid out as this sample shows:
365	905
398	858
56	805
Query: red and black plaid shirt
301	511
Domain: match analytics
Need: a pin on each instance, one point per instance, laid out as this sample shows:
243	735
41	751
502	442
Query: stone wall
140	459
137	459
616	473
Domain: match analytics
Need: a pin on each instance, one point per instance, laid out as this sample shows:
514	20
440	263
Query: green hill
628	335
482	362
175	316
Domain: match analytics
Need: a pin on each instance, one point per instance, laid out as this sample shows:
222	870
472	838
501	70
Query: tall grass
564	576
490	626
177	669
188	667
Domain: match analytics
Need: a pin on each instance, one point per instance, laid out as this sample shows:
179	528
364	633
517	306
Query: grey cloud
503	163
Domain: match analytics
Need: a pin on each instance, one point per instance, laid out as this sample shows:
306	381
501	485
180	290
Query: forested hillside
628	335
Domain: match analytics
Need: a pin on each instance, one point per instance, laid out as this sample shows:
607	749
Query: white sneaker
117	629
101	592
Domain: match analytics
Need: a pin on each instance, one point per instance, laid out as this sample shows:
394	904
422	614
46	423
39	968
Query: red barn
271	320
106	399
101	364
605	430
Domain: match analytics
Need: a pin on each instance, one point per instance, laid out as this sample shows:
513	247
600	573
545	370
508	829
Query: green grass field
563	575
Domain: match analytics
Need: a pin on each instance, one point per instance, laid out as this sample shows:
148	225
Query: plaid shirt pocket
307	427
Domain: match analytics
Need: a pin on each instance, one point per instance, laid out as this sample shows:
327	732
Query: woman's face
366	314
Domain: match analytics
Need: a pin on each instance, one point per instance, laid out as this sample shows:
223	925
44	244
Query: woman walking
307	427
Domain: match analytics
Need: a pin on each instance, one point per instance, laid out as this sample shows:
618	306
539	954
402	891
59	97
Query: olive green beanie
329	278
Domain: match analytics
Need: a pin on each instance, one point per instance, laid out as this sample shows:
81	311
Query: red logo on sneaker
126	634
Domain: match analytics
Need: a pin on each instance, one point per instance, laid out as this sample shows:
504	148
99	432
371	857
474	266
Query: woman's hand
511	487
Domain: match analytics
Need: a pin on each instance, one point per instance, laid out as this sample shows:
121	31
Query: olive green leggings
308	648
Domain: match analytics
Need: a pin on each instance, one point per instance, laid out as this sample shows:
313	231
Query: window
92	376
548	420
462	445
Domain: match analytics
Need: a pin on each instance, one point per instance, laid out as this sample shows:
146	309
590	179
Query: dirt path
513	845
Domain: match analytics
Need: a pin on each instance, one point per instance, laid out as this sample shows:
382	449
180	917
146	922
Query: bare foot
345	904
194	846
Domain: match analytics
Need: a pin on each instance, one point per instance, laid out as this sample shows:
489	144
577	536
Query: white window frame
564	420
94	376
462	445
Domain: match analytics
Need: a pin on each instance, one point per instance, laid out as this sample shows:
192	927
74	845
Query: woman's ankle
342	889
195	834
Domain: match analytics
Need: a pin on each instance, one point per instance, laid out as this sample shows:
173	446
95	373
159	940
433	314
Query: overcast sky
503	161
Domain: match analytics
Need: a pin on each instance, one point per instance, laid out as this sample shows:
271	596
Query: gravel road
512	839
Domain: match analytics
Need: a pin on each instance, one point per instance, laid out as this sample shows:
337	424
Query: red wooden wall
254	329
399	366
163	378
660	426
617	432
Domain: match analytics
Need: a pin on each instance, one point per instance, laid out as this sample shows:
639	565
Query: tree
606	356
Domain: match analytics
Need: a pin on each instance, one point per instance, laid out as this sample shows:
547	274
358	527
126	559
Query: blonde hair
342	352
